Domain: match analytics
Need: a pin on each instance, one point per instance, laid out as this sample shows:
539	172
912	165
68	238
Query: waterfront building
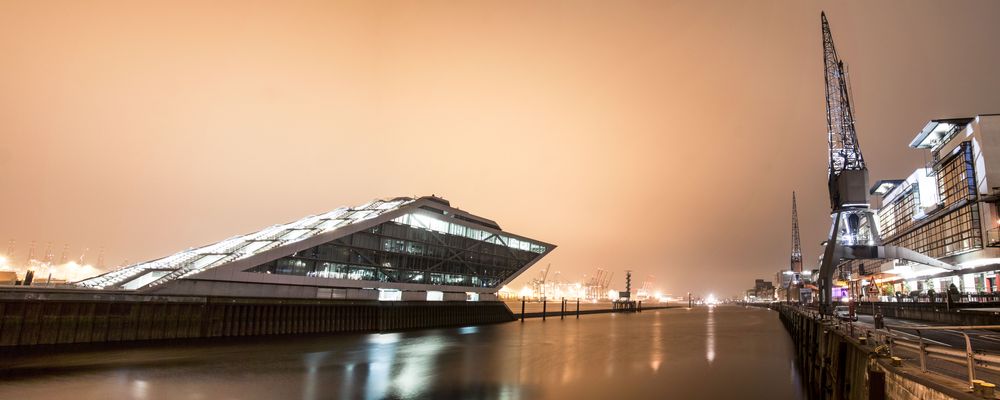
946	209
762	291
790	285
390	250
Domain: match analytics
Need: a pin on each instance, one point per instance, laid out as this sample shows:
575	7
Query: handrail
887	337
970	355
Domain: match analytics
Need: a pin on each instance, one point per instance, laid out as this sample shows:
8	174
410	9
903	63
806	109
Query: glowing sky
659	136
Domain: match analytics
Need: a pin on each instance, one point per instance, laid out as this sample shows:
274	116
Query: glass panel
412	253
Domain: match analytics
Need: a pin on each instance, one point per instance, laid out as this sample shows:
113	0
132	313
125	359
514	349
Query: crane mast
845	153
796	261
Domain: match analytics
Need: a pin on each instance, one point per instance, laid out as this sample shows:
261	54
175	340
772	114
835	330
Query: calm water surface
720	352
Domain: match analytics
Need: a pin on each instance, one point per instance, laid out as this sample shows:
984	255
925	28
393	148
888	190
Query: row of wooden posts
634	307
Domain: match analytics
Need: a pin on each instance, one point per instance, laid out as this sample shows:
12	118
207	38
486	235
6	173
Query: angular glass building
397	249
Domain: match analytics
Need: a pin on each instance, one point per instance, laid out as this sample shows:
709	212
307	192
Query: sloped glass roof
195	260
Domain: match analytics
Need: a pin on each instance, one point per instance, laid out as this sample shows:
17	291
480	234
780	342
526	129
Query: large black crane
845	152
854	234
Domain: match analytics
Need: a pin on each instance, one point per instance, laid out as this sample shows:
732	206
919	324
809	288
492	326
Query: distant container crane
597	286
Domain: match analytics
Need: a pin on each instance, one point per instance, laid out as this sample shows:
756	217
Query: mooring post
640	306
562	309
923	351
577	308
545	304
522	308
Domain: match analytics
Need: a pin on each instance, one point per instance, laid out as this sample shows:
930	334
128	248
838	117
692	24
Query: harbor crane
854	234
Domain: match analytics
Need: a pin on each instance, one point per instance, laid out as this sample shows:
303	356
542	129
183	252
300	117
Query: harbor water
716	352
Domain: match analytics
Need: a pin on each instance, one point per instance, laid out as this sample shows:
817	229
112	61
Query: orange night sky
659	136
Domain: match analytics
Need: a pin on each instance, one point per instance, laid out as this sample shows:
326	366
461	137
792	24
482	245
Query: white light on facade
433	295
471	296
979	263
390	295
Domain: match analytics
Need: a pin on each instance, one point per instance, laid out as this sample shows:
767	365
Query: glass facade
414	248
955	228
899	215
955	233
956	176
193	261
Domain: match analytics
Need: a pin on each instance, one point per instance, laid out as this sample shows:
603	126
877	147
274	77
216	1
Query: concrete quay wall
835	366
54	317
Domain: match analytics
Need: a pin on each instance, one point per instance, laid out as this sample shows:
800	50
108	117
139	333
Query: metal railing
940	299
969	358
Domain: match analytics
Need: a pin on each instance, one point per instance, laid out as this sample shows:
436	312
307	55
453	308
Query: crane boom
846	189
796	259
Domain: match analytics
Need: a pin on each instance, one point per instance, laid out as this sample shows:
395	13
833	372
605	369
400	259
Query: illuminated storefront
947	210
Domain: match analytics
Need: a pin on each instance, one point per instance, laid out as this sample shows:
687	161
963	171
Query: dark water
722	352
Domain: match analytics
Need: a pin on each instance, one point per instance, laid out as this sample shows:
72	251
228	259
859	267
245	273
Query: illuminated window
390	295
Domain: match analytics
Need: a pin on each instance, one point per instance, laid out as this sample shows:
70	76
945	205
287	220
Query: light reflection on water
654	354
710	335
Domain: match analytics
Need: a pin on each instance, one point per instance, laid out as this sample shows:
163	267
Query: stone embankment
837	366
31	318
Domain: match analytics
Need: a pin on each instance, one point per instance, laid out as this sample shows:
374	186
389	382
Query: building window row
898	216
954	233
955	176
393	252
